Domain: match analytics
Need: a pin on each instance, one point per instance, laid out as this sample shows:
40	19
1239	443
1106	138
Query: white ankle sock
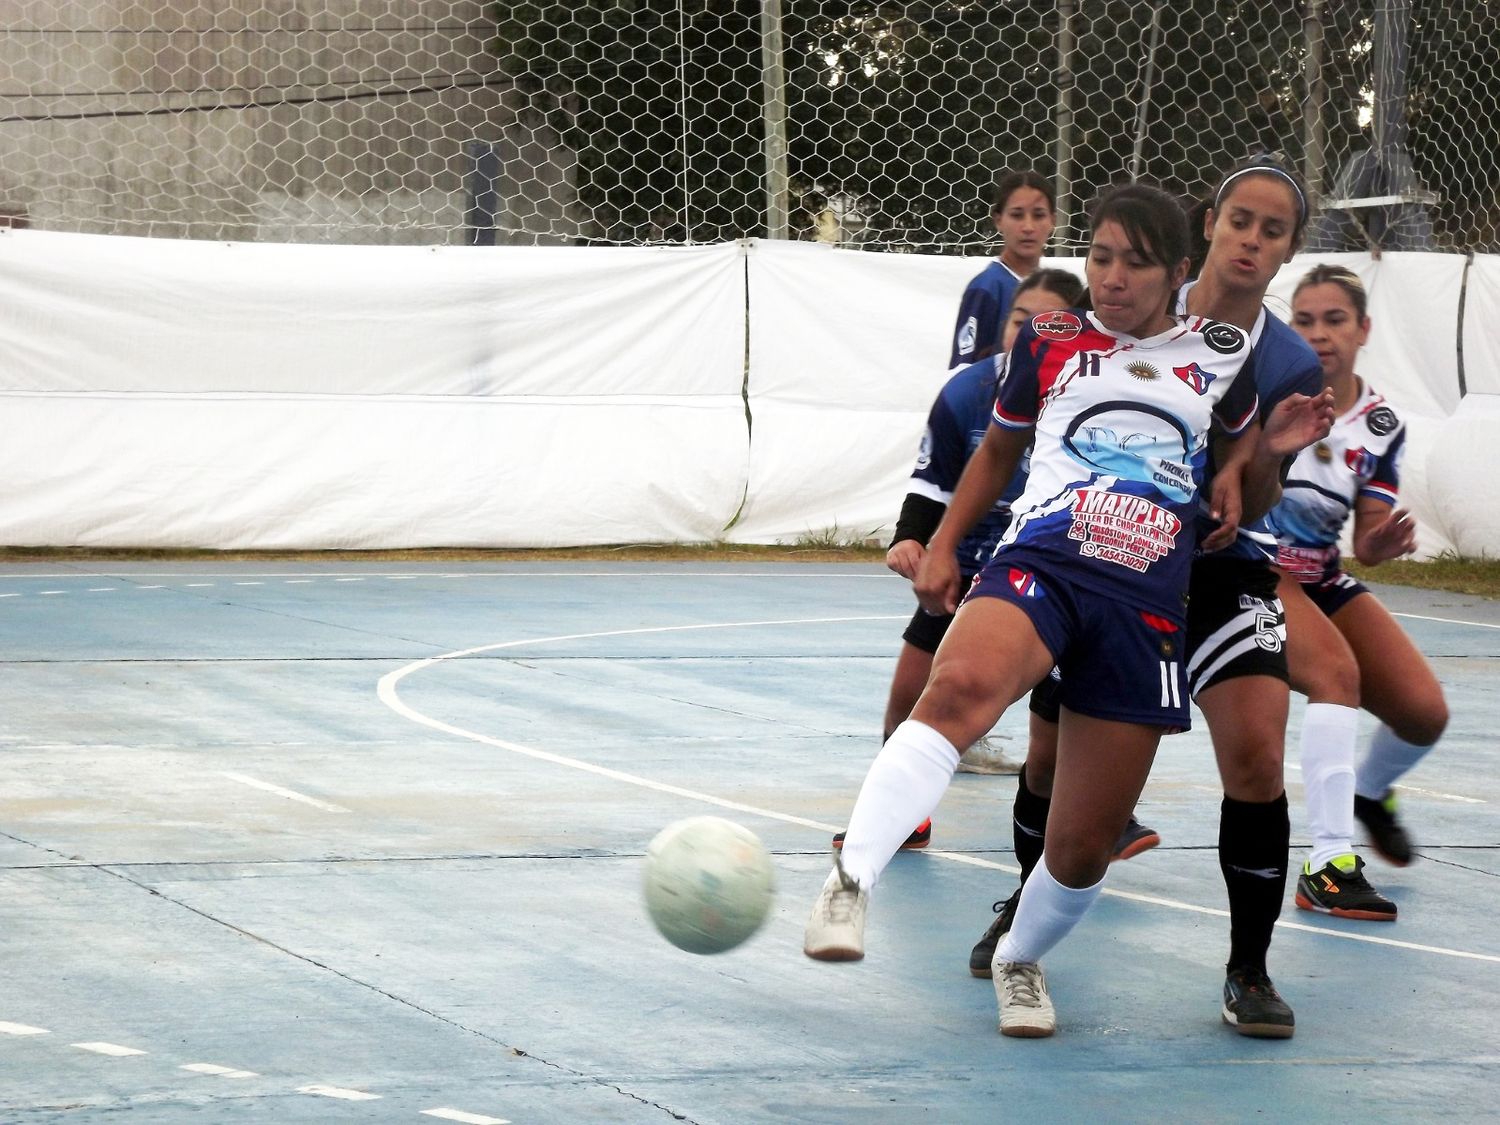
1329	733
1047	912
1388	759
907	780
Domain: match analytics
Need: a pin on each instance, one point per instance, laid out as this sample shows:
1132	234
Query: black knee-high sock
1254	851
1029	825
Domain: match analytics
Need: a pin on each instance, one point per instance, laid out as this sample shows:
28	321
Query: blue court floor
338	842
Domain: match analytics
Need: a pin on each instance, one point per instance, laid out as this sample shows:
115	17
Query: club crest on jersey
1056	326
1142	370
1361	462
1223	338
1195	377
1322	452
967	335
1024	583
1381	420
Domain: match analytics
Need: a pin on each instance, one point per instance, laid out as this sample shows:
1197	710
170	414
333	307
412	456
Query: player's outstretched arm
984	479
1382	534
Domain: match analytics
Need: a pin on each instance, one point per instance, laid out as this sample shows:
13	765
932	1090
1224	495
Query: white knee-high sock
1048	911
1389	758
907	780
1329	734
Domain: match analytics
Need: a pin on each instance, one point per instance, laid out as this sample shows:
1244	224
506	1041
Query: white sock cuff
929	743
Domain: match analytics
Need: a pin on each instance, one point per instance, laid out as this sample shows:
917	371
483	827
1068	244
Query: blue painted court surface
327	842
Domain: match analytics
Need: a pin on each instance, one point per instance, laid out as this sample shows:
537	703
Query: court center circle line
386	690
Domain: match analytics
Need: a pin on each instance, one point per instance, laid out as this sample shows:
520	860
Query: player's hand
1224	504
1297	422
1395	537
937	583
905	557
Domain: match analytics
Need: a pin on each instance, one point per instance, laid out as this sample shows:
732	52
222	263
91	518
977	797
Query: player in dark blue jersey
955	427
1091	577
1237	667
1345	651
1023	214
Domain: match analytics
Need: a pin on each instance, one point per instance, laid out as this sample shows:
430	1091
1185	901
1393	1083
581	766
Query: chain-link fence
882	125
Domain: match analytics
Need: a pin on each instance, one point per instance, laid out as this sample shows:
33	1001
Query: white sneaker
985	757
836	928
1026	1010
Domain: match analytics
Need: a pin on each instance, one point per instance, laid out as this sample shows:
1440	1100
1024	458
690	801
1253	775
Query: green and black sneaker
1389	839
1340	888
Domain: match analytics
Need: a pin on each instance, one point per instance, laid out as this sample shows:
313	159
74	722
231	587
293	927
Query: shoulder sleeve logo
1382	420
1223	338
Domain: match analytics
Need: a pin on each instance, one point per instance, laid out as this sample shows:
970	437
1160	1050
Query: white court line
108	1049
468	1118
97	590
221	1071
21	1029
1418	789
289	794
338	1092
249	583
50	593
191	585
1447	620
12	595
386	690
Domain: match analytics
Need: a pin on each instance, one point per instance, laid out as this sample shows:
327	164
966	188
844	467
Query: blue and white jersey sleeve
981	314
956	426
1360	457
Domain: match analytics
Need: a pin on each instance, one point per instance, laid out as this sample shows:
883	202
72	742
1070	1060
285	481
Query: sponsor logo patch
1056	326
1382	420
1223	338
1129	531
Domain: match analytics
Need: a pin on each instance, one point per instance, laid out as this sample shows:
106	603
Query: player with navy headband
1345	651
1091	577
1236	626
1024	216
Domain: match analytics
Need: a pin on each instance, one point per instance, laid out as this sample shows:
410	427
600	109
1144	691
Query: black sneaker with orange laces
1340	888
1253	1007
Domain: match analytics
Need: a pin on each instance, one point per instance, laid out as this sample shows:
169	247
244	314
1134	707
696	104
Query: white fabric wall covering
161	393
316	472
1481	336
1461	462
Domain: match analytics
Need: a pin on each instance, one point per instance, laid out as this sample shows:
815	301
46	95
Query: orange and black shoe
1135	839
920	837
1340	888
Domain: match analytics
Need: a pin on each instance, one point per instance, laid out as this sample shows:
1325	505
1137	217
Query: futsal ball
709	883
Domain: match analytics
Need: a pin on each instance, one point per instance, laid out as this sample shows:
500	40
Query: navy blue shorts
1334	592
1118	662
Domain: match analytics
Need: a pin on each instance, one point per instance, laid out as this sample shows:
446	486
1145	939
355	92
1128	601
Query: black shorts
1046	698
926	630
1236	625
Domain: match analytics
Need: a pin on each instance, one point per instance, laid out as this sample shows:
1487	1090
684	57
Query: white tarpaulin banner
164	393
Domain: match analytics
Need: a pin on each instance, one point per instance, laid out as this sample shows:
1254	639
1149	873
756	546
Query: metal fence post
773	88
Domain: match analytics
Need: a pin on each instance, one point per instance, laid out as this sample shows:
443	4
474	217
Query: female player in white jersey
1344	648
1023	216
1237	662
1091	577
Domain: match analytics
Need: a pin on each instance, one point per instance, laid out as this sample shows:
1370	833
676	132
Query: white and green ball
709	883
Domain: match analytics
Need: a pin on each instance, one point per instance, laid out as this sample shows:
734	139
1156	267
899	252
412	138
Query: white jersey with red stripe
1120	446
1361	456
